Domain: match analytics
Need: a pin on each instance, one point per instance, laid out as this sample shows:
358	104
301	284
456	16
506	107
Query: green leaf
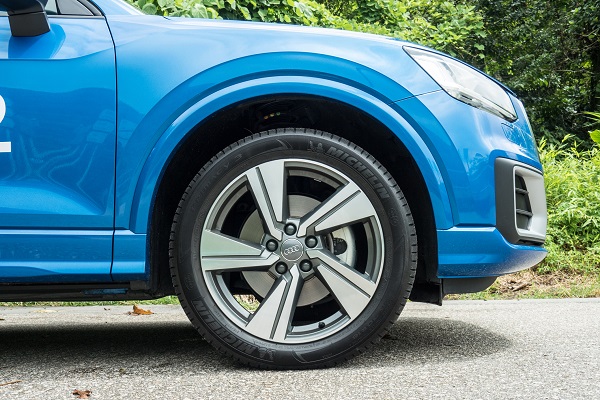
149	9
212	13
595	135
305	10
245	12
199	11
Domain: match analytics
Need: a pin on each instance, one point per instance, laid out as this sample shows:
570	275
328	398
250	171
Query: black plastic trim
26	18
427	293
28	25
75	291
75	16
92	7
466	285
505	202
505	211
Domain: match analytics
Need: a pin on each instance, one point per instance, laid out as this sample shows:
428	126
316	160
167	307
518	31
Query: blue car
293	186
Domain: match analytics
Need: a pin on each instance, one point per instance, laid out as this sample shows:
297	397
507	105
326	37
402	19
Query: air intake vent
522	205
520	202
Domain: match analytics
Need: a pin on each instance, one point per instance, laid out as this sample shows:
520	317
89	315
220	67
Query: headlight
465	83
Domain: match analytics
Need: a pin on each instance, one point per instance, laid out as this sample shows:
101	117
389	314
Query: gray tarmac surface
534	349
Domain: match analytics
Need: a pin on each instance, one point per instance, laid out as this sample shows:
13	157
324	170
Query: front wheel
293	249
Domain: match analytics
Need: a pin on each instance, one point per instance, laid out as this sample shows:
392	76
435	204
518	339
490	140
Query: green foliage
445	25
449	26
572	179
595	134
342	8
285	11
549	53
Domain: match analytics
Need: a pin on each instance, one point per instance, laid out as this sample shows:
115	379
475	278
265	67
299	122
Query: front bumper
515	243
477	252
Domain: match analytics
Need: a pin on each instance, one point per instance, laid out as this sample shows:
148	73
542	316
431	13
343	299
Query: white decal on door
5	147
2	108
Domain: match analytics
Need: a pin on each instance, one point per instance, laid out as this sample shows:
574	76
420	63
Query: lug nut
311	241
271	245
305	266
290	229
281	268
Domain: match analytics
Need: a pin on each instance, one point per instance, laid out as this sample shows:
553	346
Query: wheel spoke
332	284
351	289
273	318
268	186
346	206
224	253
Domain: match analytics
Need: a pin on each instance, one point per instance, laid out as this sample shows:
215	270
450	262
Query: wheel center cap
292	250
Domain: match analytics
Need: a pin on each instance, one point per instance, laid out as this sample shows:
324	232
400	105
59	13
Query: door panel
51	256
57	157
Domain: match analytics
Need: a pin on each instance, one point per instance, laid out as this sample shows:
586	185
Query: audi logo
291	250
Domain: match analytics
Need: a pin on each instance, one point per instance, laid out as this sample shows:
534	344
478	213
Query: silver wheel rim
336	230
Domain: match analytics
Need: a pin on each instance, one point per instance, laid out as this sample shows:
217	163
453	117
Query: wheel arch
231	114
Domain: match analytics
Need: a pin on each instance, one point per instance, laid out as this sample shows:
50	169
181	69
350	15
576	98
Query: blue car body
99	110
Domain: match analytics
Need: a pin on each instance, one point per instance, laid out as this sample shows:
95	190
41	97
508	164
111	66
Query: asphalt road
538	349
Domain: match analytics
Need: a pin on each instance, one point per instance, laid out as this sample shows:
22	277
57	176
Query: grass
161	301
247	301
530	284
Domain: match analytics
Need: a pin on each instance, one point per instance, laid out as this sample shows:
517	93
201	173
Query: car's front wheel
293	249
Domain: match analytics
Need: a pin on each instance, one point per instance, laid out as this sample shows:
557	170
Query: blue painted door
57	152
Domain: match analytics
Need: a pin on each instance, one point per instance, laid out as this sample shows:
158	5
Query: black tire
362	250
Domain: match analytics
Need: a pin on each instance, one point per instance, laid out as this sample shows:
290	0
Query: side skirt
74	292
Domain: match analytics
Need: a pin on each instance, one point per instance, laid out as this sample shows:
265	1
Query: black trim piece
524	212
26	18
505	191
427	293
92	7
28	25
511	188
466	285
72	7
75	16
76	291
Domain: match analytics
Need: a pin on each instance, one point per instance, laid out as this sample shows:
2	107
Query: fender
175	134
